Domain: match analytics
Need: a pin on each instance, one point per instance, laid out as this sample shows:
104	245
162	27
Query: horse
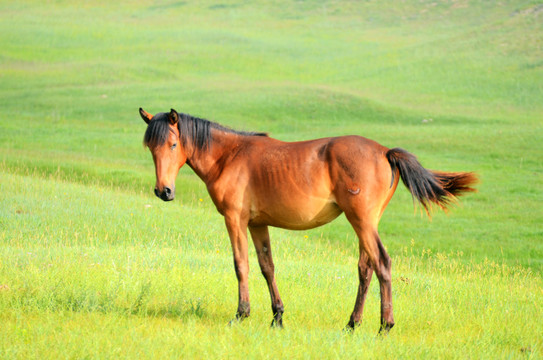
256	181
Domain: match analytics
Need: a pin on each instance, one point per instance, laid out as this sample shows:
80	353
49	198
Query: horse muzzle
166	194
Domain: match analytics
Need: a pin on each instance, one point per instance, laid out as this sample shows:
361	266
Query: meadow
93	265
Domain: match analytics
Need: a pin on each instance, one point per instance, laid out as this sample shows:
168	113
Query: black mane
192	130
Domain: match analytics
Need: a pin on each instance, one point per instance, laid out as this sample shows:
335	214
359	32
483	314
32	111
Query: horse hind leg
365	272
385	283
378	260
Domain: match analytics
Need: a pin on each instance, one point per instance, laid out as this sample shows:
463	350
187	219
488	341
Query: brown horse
256	181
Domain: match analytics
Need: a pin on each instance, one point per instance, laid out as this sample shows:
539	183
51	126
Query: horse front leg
237	232
261	240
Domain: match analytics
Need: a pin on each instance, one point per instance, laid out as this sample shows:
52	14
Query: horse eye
173	146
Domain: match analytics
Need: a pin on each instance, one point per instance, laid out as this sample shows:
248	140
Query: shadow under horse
256	181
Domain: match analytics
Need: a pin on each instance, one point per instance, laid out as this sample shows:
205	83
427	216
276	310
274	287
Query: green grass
92	265
145	287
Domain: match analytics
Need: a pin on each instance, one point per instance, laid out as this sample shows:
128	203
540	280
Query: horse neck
209	163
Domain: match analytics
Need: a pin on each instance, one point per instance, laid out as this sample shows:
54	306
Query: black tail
429	186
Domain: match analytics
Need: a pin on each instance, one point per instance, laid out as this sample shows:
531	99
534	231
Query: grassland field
93	265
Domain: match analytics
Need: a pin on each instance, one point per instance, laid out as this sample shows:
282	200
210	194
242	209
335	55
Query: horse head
162	139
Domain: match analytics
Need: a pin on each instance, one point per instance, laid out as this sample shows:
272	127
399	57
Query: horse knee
384	258
267	268
267	272
384	275
242	270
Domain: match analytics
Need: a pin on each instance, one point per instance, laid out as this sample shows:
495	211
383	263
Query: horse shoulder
228	189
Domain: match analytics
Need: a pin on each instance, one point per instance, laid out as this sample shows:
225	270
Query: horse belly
294	214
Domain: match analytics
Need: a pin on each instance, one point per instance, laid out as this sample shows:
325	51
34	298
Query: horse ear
145	116
173	117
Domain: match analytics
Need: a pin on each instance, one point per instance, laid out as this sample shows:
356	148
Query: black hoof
239	318
351	326
277	324
385	328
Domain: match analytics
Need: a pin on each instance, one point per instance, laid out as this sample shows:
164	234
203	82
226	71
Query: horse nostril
167	194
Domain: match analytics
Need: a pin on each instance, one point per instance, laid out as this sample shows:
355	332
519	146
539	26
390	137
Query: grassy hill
93	265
